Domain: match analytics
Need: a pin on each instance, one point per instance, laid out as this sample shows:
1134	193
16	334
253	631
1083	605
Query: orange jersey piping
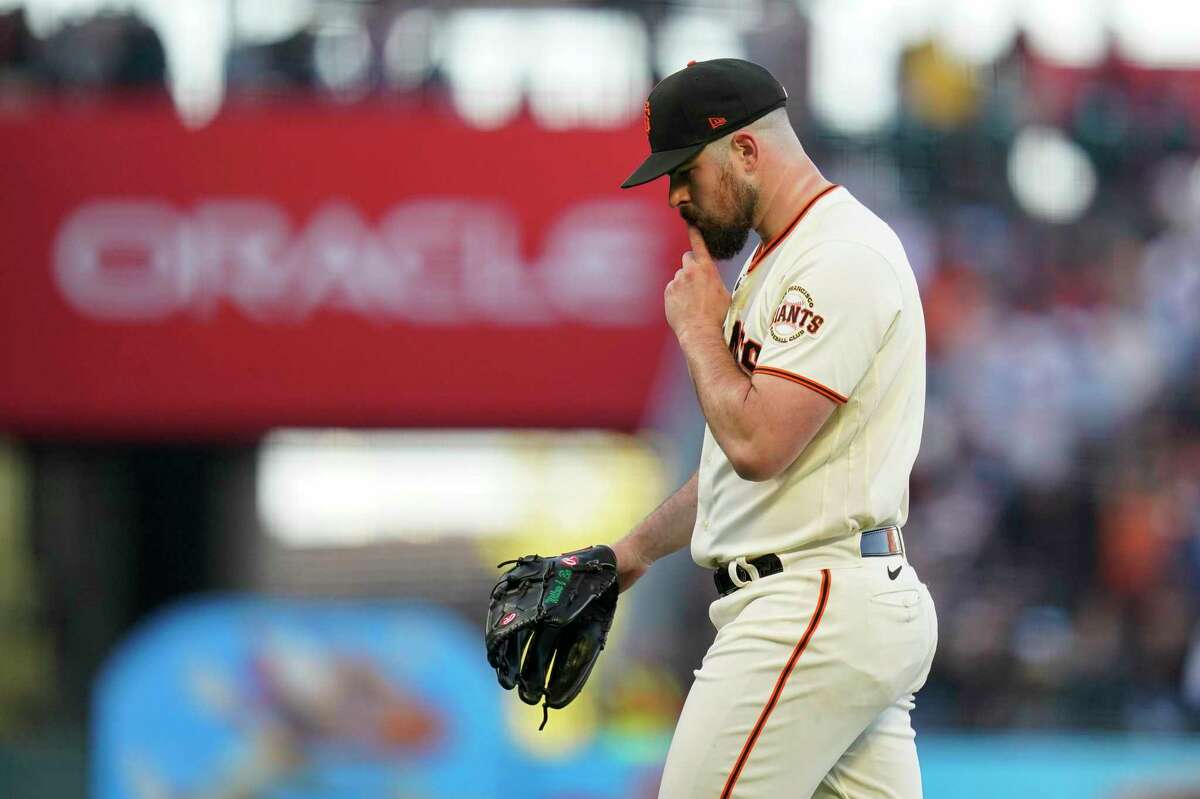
825	391
762	252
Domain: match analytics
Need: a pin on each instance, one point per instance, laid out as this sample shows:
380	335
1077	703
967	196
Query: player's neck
791	194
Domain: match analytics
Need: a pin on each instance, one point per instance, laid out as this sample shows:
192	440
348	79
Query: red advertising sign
369	266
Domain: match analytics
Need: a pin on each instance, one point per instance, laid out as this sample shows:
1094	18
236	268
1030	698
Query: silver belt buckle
732	570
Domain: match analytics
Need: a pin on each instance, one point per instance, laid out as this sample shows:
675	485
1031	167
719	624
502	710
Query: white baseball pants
807	688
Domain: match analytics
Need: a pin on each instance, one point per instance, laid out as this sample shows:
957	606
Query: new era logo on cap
699	104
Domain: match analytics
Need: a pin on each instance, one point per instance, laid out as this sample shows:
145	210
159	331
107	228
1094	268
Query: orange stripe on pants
748	747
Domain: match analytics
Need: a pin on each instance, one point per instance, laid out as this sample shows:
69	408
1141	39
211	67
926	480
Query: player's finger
697	240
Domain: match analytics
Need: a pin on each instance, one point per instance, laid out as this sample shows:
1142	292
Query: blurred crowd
1056	500
109	52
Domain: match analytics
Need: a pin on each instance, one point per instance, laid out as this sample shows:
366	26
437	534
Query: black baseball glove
551	609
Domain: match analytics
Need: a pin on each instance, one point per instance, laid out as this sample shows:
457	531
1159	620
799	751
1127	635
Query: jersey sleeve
829	314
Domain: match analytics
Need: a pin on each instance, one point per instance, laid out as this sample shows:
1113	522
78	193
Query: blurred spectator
108	51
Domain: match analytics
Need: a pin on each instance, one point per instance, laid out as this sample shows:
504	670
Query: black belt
878	543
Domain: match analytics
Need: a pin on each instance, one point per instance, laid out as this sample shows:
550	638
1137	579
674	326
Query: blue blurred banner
247	697
1063	766
242	697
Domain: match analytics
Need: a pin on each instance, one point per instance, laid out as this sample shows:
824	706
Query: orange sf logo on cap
646	116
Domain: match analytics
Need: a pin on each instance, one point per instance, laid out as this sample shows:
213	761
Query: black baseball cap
699	104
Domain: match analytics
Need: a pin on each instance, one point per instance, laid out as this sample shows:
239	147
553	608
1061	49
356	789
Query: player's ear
744	149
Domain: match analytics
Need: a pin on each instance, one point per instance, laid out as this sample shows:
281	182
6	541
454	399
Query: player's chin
725	242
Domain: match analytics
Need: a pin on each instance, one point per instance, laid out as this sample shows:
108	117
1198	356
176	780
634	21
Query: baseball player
811	377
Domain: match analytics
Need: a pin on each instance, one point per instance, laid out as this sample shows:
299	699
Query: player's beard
725	234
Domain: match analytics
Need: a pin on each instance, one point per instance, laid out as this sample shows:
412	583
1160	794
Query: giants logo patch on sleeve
795	316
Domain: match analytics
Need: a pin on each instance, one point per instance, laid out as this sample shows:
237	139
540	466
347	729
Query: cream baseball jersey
832	305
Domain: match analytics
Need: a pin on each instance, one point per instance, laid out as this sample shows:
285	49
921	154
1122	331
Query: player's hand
696	298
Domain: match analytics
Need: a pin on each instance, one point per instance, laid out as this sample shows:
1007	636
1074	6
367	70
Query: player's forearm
726	396
667	529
